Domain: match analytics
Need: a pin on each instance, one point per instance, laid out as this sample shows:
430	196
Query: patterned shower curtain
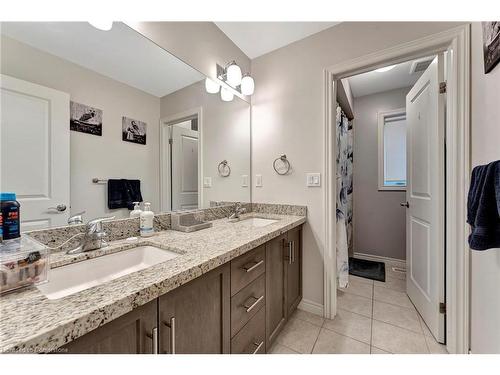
344	195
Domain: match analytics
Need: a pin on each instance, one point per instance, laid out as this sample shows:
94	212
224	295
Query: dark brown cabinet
276	311
195	318
293	269
132	333
239	307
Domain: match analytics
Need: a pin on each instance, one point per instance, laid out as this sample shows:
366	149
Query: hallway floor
373	317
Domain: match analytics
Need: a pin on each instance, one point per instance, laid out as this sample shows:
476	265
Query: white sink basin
257	222
73	278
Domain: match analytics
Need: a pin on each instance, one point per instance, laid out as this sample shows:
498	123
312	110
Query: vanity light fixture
233	74
247	85
211	86
102	25
385	69
226	95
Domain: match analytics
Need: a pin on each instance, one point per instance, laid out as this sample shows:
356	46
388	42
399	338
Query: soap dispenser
146	220
136	212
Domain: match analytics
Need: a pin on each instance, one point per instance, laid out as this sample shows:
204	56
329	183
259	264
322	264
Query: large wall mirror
90	118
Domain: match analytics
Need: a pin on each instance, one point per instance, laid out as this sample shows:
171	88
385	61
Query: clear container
23	262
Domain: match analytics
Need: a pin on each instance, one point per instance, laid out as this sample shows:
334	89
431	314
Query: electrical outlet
258	180
207	182
313	179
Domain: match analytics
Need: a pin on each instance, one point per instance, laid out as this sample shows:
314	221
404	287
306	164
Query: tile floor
373	317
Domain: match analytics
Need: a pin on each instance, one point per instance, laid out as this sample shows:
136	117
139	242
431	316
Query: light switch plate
244	180
313	179
258	180
207	182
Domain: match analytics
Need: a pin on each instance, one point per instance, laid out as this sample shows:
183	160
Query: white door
425	196
34	139
184	146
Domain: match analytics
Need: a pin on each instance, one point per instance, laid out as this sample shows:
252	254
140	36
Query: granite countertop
29	322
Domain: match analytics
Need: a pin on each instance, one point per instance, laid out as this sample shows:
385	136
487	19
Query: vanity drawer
251	338
247	303
247	268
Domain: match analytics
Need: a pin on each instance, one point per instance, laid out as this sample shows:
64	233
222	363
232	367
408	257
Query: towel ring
224	169
286	165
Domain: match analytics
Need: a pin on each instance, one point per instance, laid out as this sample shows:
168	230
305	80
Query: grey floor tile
281	349
350	324
434	346
391	283
397	315
330	342
359	288
360	279
375	350
397	340
425	329
354	303
309	317
391	296
299	335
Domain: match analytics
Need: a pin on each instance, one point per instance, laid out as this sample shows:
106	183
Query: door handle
60	207
405	204
171	325
252	306
258	346
154	337
290	251
254	266
293	251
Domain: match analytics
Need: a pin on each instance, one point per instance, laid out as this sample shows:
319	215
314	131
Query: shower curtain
344	195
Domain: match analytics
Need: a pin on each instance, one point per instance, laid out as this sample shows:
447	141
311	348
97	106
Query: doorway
180	162
455	43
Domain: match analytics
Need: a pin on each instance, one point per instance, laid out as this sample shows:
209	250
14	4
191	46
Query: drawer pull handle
258	347
171	325
252	306
248	268
154	337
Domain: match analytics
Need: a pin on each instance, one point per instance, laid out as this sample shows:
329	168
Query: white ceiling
258	38
374	82
121	53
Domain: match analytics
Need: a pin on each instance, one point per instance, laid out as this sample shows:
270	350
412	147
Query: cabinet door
195	318
294	269
276	312
131	333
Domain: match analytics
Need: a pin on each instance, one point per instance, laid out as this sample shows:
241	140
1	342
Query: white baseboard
378	258
310	306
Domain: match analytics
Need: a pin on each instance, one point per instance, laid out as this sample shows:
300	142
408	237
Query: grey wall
92	156
225	136
379	220
199	44
288	113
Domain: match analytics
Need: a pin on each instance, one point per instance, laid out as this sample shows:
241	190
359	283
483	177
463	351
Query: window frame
381	122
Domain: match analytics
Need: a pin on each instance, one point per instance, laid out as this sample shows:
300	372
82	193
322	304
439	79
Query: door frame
165	122
457	166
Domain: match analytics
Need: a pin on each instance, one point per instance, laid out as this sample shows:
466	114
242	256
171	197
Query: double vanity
229	288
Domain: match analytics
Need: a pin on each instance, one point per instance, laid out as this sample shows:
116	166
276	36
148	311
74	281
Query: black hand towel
122	193
483	207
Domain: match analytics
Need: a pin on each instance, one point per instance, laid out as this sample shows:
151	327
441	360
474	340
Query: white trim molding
457	42
378	258
312	307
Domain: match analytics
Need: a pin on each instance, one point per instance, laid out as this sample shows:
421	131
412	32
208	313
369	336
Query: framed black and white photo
85	119
491	44
133	131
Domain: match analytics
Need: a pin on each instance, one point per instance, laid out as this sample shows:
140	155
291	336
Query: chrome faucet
238	210
93	237
76	219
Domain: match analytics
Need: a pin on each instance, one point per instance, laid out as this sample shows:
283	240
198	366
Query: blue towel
483	207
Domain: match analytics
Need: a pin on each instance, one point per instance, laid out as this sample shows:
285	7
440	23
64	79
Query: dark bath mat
367	269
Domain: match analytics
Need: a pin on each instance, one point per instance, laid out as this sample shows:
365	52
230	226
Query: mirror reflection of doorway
183	166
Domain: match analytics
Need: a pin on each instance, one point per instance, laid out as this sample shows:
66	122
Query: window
392	150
